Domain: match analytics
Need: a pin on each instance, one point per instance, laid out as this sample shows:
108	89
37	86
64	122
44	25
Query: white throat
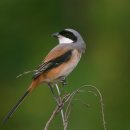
64	40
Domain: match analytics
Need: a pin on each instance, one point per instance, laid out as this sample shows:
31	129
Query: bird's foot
63	81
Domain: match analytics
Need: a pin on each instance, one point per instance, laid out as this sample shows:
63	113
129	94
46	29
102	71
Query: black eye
68	34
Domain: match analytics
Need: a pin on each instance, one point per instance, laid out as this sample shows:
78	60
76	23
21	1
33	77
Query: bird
58	63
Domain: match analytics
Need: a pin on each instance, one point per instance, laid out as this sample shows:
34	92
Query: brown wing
56	57
57	51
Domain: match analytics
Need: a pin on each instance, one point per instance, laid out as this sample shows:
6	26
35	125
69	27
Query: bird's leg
63	81
51	88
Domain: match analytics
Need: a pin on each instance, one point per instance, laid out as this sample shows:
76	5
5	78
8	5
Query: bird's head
67	36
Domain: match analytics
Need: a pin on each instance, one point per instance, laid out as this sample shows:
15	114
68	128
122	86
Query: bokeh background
25	38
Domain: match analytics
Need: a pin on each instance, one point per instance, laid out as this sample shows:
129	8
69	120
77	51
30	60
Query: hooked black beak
55	34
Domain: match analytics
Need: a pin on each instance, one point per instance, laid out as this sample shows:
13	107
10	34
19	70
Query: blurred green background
25	38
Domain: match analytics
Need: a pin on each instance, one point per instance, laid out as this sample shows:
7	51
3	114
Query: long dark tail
33	85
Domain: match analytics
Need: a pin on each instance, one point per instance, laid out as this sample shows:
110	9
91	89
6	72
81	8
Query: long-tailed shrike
58	64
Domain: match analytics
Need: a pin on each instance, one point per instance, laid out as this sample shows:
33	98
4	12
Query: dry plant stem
100	97
51	118
62	113
25	73
56	111
68	99
58	108
101	103
102	106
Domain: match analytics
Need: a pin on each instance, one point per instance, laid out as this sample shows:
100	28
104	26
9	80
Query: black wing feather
52	64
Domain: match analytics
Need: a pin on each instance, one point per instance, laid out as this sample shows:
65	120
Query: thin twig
25	73
102	106
68	99
82	102
51	118
101	103
62	113
56	111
